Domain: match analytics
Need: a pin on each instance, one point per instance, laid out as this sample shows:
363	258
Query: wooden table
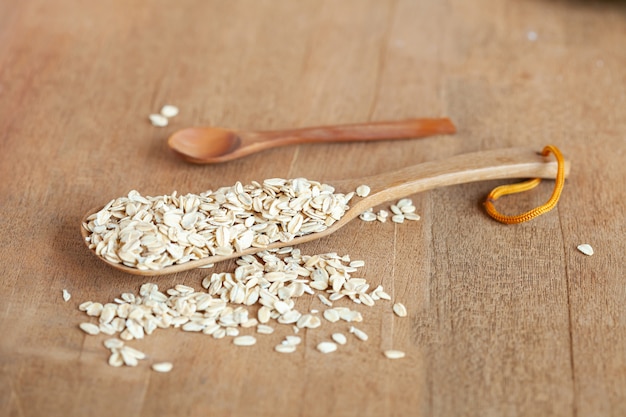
503	320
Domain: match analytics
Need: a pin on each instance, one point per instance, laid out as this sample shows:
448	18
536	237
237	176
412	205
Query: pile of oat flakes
259	295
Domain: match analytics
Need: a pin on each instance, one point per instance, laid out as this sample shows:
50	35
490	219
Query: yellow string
525	186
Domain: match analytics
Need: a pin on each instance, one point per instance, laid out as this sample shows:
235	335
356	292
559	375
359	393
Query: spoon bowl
210	145
218	143
392	186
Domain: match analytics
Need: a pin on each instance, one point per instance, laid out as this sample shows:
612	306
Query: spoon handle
402	129
460	169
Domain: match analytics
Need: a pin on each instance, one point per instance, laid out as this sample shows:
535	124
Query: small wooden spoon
391	186
209	145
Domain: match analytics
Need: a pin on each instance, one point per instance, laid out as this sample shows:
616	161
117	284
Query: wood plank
503	320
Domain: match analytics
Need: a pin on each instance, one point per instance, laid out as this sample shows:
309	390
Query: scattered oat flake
264	314
394	354
94	309
331	315
116	360
357	264
339	338
113	343
400	310
285	348
89	328
129	360
84	306
244	340
383	295
360	334
232	331
264	329
363	190
324	300
133	352
327	347
367	216
162	366
293	340
397	218
169	111
158	120
586	249
66	295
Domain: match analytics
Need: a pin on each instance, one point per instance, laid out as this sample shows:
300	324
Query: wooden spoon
391	186
209	145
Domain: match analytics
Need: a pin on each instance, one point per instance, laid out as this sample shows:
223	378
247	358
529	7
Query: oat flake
586	249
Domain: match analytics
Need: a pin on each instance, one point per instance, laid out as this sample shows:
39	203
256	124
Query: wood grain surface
503	320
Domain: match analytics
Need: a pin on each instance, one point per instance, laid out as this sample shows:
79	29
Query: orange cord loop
525	186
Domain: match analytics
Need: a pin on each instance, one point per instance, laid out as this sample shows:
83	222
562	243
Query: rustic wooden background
503	320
